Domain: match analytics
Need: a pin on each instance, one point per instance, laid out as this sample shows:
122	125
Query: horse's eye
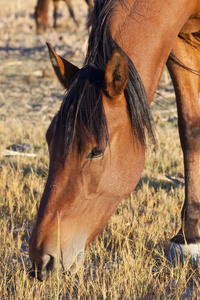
95	153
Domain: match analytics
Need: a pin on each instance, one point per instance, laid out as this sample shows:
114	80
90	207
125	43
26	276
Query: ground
128	259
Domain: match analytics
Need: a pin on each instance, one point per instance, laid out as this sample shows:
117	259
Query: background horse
41	13
97	139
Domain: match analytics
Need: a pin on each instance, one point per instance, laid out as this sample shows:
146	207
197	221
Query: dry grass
128	259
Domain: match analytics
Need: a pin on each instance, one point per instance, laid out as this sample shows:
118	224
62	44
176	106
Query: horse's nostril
50	264
46	267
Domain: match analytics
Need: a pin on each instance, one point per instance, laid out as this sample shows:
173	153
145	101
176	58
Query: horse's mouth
50	269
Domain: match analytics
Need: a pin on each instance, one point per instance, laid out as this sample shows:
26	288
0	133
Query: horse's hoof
179	252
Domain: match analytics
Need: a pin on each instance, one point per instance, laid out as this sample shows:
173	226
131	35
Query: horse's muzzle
42	271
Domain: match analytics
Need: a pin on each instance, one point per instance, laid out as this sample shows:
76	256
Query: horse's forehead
91	74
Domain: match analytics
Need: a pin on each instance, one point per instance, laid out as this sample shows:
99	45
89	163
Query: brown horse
41	13
97	140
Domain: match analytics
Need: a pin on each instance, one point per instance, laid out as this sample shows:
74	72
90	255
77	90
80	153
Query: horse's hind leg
187	86
71	11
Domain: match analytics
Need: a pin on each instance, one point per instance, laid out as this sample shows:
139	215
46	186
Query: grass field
128	259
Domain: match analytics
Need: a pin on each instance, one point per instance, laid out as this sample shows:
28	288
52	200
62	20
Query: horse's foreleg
41	15
187	86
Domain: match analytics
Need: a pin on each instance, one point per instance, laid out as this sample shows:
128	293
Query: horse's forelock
82	106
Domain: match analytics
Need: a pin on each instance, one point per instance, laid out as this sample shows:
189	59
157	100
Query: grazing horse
41	13
97	139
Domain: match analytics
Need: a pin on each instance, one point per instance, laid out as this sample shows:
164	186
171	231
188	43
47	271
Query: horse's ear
116	74
64	70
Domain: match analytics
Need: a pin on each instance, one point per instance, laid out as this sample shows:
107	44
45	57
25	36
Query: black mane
82	108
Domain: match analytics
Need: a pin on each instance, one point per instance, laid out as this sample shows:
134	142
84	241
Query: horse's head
94	163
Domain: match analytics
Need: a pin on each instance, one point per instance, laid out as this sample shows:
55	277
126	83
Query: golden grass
127	260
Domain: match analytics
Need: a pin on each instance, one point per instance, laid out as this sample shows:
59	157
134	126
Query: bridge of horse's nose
42	270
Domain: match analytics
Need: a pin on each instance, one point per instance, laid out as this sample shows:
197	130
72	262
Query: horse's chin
75	265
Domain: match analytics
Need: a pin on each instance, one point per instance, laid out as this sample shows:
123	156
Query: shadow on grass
157	184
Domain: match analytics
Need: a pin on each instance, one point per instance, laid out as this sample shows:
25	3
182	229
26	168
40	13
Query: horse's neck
147	30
